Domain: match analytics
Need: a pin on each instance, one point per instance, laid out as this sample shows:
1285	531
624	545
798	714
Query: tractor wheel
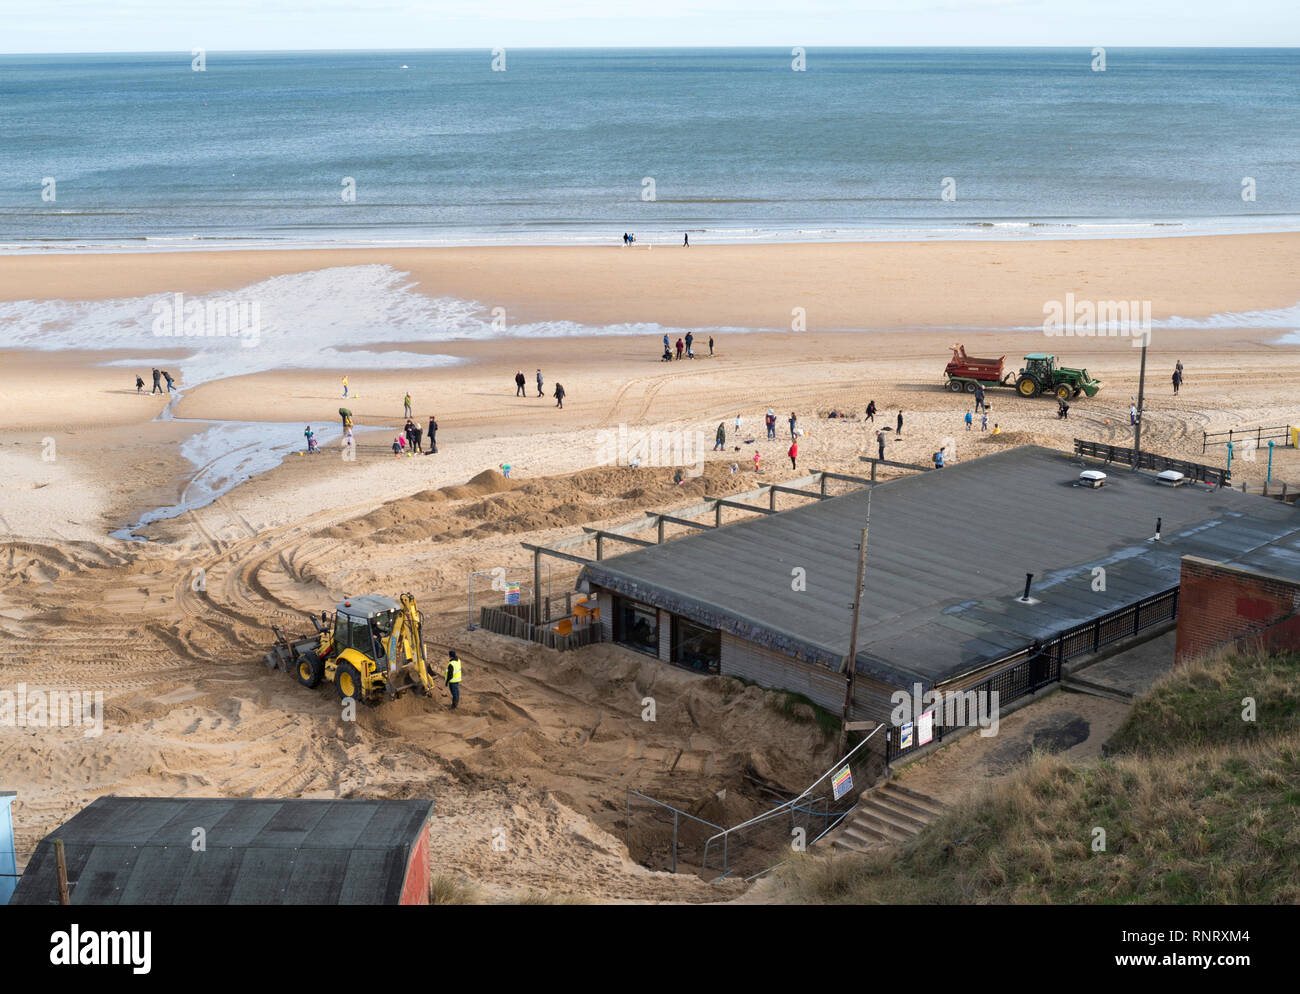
954	386
348	682
1063	391
309	669
1027	386
970	387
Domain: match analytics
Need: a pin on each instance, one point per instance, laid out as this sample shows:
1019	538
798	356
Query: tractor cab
1040	365
364	624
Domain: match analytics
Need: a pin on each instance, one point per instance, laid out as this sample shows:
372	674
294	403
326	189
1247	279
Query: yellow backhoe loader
372	648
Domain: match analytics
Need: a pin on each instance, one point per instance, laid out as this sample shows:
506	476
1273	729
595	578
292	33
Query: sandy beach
544	745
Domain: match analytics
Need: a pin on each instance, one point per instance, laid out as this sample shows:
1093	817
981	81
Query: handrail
725	833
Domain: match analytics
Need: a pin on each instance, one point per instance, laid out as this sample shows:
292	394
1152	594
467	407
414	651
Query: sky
245	25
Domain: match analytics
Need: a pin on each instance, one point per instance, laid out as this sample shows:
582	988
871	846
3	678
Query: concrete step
883	822
901	812
922	801
1096	689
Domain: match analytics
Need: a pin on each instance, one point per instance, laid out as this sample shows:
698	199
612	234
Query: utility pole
1142	379
852	658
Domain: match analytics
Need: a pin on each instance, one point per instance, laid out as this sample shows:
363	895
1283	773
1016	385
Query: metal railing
1260	436
1041	664
648	847
756	846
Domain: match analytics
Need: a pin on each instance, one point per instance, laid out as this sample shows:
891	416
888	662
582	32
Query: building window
696	647
637	626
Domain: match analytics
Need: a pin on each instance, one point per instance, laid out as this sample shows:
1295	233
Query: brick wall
1221	605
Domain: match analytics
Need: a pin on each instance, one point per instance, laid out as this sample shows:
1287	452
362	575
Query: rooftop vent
1092	478
1171	478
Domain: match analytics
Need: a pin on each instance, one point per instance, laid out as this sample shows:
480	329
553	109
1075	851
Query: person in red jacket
794	454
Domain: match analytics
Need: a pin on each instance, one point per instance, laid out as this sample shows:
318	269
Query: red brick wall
1221	605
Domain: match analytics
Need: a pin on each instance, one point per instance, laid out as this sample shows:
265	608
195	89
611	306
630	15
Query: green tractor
1041	374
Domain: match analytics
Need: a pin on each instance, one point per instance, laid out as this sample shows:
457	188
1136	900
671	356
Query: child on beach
345	386
968	420
984	421
139	385
756	469
505	470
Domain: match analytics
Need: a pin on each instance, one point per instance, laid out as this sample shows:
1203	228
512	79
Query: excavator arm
407	665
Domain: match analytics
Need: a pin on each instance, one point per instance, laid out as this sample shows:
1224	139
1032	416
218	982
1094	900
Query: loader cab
363	624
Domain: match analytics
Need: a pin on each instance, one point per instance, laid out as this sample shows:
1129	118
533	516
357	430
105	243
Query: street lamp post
1137	427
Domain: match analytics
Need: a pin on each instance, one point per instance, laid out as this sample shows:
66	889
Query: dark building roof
946	561
137	850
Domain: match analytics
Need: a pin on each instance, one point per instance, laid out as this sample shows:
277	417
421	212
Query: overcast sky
226	25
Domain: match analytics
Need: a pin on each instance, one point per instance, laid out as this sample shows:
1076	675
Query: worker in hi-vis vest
452	678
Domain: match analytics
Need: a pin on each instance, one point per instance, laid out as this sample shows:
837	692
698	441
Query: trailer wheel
954	386
1063	391
970	387
309	669
348	682
1027	386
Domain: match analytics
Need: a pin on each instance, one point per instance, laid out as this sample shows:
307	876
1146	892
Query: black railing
1125	456
1040	664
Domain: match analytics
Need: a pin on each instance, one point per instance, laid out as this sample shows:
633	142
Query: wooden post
61	870
823	484
852	658
600	547
661	529
717	515
771	498
537	586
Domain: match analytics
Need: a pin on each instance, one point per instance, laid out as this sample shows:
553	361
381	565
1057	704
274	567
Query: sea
186	150
227	150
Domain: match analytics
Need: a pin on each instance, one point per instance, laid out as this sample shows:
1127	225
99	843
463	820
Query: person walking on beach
720	438
171	384
139	385
794	454
899	432
433	434
710	345
559	396
736	424
406	405
984	421
969	420
979	397
519	384
793	423
1178	368
539	384
880	444
156	387
689	339
1178	380
871	412
1132	414
345	388
770	420
686	240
